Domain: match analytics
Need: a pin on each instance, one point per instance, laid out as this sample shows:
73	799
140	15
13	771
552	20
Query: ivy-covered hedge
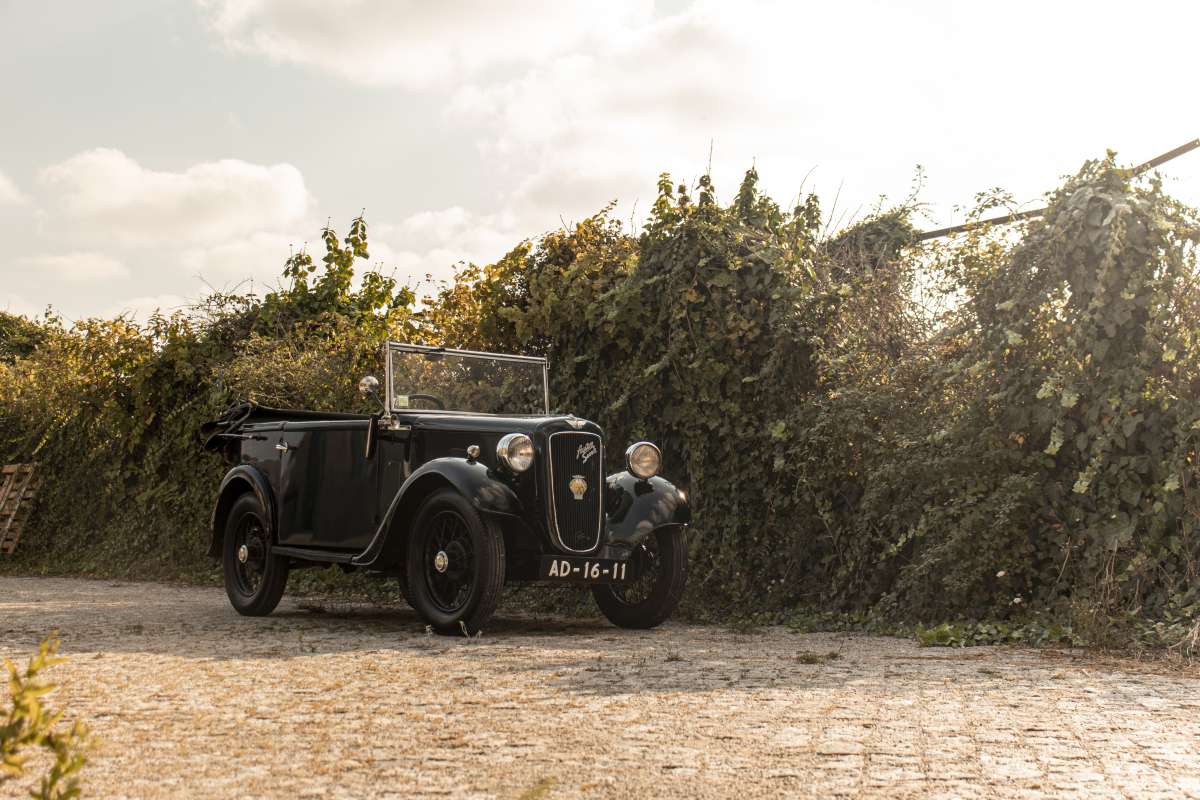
1001	427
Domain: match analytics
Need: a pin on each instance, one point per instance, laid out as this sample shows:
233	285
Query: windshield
434	378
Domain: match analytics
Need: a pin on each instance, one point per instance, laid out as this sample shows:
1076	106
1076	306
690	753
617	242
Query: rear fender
636	508
238	481
473	480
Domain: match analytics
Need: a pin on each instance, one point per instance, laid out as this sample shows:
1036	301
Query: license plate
588	570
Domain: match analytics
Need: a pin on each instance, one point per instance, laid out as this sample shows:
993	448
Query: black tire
457	594
649	600
256	581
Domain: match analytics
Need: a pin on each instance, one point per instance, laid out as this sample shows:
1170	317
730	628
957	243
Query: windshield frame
391	347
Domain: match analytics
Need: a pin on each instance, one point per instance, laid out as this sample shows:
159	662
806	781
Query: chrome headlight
515	451
643	459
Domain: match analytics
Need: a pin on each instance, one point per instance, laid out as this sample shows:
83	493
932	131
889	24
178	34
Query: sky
152	151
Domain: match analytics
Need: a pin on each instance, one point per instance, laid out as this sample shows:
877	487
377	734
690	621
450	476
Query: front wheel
648	600
254	578
454	564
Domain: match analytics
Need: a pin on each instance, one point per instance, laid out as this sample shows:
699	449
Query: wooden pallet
18	486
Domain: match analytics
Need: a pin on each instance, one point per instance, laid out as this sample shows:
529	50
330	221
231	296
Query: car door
330	489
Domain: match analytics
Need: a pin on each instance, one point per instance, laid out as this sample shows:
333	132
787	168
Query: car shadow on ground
215	631
580	656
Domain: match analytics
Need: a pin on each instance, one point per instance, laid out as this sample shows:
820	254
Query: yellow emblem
577	486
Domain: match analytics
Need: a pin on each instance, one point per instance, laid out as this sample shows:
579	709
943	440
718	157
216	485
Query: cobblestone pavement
188	699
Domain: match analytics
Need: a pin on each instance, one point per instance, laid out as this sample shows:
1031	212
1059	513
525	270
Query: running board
313	554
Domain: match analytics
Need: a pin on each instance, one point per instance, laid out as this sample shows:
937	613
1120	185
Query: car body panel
329	490
636	508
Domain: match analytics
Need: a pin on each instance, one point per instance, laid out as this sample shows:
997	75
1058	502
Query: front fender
473	480
637	508
240	479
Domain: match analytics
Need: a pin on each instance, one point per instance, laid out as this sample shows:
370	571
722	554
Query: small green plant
31	725
538	790
944	635
973	634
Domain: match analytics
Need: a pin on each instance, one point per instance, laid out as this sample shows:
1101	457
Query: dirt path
190	700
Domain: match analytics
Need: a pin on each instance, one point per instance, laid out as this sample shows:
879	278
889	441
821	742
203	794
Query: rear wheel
455	564
254	579
647	601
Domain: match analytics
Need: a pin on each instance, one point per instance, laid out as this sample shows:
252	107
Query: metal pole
1036	212
1167	156
970	226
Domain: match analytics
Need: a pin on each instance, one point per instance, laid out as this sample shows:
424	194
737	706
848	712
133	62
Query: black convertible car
463	481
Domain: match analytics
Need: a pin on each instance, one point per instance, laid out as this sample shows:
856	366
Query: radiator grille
576	521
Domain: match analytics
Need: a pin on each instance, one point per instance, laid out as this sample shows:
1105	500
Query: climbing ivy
993	427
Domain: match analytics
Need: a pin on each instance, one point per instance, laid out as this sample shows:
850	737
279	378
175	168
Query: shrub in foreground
31	726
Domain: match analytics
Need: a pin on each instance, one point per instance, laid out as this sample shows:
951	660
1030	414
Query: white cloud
430	242
20	305
106	192
413	43
76	267
863	92
257	259
574	104
433	243
429	230
574	107
142	308
10	195
587	128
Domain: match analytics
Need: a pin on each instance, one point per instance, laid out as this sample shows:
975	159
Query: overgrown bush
30	726
1030	448
110	410
984	429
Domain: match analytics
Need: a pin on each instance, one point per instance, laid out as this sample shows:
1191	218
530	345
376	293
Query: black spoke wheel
660	563
254	579
455	564
250	566
647	565
449	560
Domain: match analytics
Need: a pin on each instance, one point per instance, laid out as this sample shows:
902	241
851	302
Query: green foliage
1000	426
1032	447
949	634
18	336
316	294
1073	362
111	409
31	726
707	334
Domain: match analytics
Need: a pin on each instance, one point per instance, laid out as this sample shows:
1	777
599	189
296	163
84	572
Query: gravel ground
188	699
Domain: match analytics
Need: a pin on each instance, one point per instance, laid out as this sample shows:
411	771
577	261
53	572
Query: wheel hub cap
441	562
243	554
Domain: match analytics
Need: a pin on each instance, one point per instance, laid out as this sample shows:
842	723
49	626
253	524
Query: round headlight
644	460
515	451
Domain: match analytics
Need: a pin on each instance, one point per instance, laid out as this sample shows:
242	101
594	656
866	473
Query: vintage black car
462	481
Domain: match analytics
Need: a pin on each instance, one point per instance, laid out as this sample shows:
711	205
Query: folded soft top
239	414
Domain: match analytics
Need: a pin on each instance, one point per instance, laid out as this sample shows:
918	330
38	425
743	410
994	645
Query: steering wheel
430	398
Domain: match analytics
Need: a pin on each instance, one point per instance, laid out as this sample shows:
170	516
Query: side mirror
369	387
